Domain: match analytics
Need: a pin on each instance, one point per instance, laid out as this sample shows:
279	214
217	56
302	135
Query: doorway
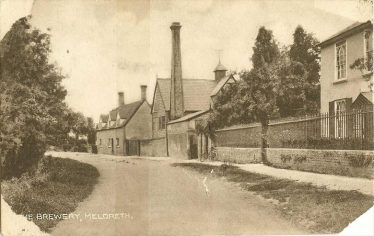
193	146
112	146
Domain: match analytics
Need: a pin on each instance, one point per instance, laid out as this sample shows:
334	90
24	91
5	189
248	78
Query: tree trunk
264	141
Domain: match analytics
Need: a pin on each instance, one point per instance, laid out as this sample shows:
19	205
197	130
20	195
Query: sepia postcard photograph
186	117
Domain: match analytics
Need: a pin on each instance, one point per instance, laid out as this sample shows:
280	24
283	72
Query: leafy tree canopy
32	108
266	50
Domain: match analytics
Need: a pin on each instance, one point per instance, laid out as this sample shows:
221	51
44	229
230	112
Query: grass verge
317	209
56	188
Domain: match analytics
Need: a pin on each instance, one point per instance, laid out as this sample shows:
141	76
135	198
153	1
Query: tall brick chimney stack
176	87
143	89
121	99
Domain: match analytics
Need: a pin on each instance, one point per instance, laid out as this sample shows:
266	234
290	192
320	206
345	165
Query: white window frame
365	41
336	62
340	119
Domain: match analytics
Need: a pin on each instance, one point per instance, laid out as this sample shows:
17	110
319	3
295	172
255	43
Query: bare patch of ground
162	200
315	208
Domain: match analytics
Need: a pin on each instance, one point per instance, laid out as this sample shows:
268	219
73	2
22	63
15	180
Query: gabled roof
366	96
125	112
195	93
164	87
220	84
351	29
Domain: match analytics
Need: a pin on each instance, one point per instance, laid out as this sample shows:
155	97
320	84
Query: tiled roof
195	93
220	84
164	86
345	32
368	96
125	112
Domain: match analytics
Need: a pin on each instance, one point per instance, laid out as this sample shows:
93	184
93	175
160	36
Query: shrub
299	158
285	158
56	187
94	148
359	160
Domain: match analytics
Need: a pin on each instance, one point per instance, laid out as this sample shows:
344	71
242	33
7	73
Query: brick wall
106	147
279	131
353	163
153	147
146	148
239	155
285	130
340	162
249	136
178	140
158	111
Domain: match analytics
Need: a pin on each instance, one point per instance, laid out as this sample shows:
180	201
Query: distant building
178	102
121	130
342	88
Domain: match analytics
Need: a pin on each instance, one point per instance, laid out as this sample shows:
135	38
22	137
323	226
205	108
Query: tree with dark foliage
292	88
31	96
33	113
305	50
281	83
253	98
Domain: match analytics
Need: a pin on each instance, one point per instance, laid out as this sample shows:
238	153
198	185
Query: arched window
341	60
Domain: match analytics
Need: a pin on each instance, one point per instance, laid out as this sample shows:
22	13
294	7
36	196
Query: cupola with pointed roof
219	71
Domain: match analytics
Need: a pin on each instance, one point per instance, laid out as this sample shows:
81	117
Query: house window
117	142
341	64
100	142
109	142
368	46
162	122
340	119
340	106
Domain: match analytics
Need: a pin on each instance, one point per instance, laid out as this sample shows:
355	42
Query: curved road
147	197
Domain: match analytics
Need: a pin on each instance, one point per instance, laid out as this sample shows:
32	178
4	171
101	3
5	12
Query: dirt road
147	197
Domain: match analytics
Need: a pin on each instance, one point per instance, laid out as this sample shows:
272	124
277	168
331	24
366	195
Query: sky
106	46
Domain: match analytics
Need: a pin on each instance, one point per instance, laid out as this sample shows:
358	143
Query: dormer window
341	60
